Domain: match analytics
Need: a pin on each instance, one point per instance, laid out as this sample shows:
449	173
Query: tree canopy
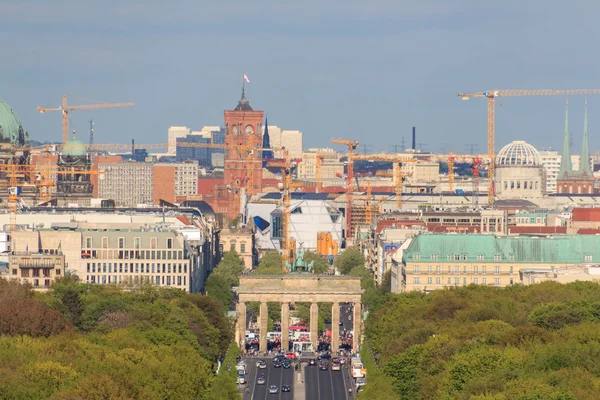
99	342
270	264
225	275
519	342
349	259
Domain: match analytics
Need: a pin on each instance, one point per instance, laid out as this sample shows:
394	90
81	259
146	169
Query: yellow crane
491	98
66	108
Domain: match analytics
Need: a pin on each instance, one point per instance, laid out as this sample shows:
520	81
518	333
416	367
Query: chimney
414	141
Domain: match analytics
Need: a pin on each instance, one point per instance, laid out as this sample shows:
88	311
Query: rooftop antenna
91	132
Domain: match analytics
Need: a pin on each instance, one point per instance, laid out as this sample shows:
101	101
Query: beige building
36	269
291	140
127	183
172	135
424	172
240	240
331	169
124	256
433	261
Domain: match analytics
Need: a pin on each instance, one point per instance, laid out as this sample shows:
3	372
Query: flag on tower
246	78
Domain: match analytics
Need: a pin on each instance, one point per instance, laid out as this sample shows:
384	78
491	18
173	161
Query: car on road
286	364
273	389
277	364
290	356
324	357
335	365
341	323
241	378
261	380
312	361
285	388
261	364
324	366
278	358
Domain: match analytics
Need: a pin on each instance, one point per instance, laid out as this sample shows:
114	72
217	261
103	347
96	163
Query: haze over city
367	71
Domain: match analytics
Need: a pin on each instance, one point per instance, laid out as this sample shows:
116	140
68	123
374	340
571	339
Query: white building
172	135
519	173
309	215
551	163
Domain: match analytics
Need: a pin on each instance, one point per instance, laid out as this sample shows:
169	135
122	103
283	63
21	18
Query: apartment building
433	262
36	269
172	180
128	184
241	241
291	140
173	133
331	168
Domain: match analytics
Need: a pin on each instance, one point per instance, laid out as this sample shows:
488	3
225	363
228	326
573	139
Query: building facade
519	172
36	269
173	133
433	262
240	240
128	184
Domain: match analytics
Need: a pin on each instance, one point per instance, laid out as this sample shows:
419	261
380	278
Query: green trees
150	344
525	342
350	258
270	264
223	277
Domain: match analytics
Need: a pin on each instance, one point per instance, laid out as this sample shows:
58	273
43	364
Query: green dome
74	148
11	129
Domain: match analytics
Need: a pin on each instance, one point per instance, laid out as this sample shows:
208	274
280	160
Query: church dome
518	153
74	148
11	129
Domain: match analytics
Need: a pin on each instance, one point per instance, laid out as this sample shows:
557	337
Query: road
319	385
326	385
273	376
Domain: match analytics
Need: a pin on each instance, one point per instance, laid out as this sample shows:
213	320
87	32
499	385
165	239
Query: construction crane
66	108
491	97
475	167
319	160
351	146
125	147
451	172
287	247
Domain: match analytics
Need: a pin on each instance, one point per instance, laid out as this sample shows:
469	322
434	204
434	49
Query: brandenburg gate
299	288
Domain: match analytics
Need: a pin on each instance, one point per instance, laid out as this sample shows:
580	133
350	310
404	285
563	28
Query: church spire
565	161
584	163
266	144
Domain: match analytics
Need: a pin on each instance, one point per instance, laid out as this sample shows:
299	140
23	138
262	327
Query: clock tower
243	162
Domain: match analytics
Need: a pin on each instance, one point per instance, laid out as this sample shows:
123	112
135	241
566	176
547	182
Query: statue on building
299	264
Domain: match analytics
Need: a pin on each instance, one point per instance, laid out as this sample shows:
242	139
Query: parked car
273	389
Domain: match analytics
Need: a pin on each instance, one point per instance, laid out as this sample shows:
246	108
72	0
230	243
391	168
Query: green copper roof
11	129
568	249
584	163
74	148
565	161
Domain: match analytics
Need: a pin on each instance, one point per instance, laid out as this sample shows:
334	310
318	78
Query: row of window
137	243
457	270
463	257
46	272
36	282
232	247
136	268
457	281
138	280
134	254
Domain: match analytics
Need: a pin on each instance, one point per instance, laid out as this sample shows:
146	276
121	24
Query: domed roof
74	148
518	153
11	129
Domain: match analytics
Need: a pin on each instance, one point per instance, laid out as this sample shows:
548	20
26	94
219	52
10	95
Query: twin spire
565	161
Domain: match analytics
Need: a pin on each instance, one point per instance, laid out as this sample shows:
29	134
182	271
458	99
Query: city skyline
369	72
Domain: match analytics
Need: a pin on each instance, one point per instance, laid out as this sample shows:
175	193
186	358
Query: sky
362	70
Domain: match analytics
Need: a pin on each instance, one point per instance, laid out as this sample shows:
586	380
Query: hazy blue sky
367	70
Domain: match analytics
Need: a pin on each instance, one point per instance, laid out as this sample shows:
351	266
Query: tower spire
266	144
565	161
584	163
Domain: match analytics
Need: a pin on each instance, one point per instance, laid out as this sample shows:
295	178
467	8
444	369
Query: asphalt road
327	384
273	376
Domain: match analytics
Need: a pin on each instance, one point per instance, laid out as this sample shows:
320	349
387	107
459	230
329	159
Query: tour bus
356	368
298	335
273	335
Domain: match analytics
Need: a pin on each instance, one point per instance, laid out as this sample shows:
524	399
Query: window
437	280
416	280
437	269
479	257
464	257
484	281
449	281
242	248
232	246
121	243
475	269
434	257
511	270
449	270
457	257
464	281
169	243
457	281
88	242
476	281
449	257
105	243
484	270
497	257
417	257
457	270
496	270
512	258
153	243
429	269
496	281
429	281
416	269
465	269
588	257
137	242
